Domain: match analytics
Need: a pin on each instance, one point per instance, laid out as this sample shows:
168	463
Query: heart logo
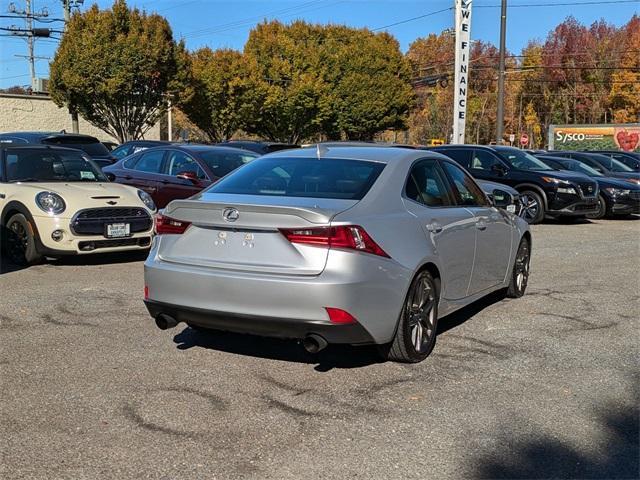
627	141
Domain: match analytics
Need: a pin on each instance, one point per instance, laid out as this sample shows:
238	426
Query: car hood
611	182
81	195
631	175
565	175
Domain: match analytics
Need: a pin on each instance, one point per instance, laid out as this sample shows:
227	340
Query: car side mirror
499	169
503	199
110	176
189	176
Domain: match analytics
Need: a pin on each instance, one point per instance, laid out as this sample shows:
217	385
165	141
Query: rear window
93	149
302	177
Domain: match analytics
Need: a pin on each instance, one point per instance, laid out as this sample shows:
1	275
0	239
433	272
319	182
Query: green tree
224	94
115	68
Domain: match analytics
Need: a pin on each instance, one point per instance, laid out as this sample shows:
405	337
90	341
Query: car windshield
522	160
44	165
302	177
222	162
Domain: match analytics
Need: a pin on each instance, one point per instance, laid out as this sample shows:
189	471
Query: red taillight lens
350	237
146	292
170	225
337	315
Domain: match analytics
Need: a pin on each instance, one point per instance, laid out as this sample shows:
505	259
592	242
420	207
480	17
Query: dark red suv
177	171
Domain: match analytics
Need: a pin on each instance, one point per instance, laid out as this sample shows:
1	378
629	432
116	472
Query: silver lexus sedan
357	245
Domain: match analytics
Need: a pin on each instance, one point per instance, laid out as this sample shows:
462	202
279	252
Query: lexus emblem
230	214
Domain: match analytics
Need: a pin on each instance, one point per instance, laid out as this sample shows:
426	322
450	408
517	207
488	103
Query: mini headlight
617	192
50	202
147	200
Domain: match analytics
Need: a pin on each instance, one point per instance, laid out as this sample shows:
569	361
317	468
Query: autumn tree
223	92
115	67
625	83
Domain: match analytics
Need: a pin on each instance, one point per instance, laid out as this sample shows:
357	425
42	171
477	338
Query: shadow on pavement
81	260
546	457
334	356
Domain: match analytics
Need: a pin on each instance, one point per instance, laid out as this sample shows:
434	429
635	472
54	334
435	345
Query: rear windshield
302	177
93	149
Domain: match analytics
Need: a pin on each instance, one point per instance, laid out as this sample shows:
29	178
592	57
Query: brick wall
39	113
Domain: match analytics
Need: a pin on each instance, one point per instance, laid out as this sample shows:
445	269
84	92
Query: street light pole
503	35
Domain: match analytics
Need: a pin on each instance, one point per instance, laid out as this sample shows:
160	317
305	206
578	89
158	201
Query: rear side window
462	156
302	177
179	162
468	194
224	162
427	184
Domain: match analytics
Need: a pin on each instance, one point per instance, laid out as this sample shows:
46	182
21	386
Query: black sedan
609	167
616	197
134	146
177	171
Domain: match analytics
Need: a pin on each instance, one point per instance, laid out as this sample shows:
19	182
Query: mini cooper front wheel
416	333
20	241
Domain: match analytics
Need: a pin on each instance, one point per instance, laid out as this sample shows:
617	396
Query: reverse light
171	226
348	237
337	315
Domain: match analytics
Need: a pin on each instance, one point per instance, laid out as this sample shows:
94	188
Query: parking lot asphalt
543	386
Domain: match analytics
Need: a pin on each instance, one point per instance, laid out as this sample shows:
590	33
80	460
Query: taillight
350	237
146	292
170	225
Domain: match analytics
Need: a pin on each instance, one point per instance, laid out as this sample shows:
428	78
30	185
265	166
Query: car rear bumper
353	333
370	288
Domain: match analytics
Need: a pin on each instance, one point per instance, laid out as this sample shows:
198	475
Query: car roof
370	153
36	146
53	135
198	147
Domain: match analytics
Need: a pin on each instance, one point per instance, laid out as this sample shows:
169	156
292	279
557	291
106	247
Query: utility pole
66	6
503	35
32	62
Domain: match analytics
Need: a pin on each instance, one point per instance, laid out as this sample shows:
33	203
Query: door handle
434	227
481	225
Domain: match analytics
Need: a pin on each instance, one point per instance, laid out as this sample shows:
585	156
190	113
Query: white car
56	201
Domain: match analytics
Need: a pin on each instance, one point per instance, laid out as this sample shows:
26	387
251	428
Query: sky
218	23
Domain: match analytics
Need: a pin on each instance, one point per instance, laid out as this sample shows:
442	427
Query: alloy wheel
523	259
420	314
17	242
530	207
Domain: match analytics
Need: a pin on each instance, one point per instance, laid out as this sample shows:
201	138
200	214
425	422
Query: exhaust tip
314	343
164	321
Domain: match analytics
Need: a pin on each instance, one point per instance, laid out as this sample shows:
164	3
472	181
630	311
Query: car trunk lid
241	232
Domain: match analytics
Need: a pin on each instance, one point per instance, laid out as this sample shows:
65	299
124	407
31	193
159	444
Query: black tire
602	209
532	206
416	333
19	243
520	272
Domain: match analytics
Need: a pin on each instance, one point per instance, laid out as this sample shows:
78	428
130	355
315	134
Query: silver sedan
357	245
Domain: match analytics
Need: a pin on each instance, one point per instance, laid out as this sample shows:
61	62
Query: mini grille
111	213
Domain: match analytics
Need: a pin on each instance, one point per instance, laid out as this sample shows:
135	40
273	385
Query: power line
564	4
412	19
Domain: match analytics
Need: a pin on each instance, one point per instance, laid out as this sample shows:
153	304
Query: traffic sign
512	138
524	139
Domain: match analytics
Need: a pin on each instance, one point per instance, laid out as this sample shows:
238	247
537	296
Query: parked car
88	144
55	201
543	191
502	196
257	146
609	167
616	197
133	146
630	159
339	245
177	171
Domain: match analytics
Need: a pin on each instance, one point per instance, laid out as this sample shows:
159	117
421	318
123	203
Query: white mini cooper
56	201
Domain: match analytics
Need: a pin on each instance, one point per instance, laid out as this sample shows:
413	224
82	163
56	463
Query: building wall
39	113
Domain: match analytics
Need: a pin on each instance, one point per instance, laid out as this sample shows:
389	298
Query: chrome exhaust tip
314	343
164	321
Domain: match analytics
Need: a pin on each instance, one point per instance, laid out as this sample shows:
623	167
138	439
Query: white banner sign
461	77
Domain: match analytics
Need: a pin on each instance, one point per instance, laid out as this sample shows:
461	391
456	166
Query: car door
142	171
493	227
450	229
171	186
